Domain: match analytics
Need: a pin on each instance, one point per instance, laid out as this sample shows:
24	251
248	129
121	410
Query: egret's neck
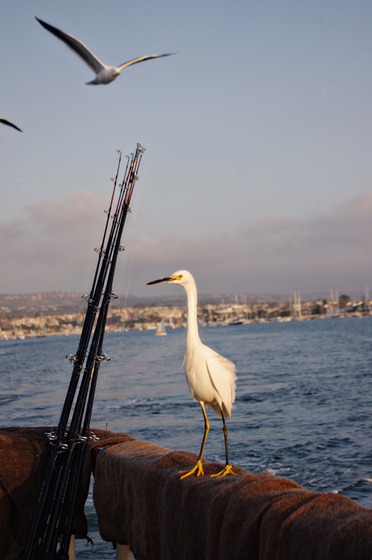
192	311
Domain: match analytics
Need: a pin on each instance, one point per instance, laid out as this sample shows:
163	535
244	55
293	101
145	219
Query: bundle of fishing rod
52	523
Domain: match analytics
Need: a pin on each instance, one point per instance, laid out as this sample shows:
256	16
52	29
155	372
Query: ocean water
303	408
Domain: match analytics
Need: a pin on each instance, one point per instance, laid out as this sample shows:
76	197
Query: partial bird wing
222	374
141	59
77	46
5	121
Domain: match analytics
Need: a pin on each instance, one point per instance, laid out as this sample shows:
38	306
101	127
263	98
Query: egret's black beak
167	279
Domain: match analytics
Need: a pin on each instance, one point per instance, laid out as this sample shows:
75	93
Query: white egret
104	73
210	376
8	123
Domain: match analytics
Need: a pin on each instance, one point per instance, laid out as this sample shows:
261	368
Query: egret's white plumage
210	376
8	123
104	73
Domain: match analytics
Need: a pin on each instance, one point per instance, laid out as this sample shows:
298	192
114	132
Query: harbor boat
160	331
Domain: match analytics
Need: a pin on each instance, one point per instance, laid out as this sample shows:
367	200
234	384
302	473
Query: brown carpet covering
141	501
22	463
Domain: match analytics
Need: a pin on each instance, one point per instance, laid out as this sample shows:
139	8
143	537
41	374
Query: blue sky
257	172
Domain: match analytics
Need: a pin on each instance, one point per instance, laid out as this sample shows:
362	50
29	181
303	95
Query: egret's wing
77	46
8	123
141	59
222	373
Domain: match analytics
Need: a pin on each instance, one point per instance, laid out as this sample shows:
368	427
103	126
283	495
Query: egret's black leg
228	468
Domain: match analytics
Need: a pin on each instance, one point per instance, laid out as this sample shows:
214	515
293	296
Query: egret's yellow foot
198	470
225	471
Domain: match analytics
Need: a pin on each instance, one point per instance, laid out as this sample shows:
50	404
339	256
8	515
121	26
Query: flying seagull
104	74
5	121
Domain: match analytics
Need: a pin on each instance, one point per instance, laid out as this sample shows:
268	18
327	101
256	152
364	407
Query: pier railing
141	502
143	505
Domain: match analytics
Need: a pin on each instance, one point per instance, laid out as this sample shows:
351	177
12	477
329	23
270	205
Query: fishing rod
95	357
56	438
93	305
54	513
100	251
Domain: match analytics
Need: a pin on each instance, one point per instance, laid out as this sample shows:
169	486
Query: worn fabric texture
141	501
23	458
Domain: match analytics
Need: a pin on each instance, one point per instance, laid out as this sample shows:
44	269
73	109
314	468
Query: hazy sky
258	132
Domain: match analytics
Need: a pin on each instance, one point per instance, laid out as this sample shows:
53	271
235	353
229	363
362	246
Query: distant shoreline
148	318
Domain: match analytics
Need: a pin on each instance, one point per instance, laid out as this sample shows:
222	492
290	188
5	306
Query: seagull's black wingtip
8	123
43	23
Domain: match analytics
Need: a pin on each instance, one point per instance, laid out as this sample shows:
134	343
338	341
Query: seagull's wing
141	59
5	121
77	46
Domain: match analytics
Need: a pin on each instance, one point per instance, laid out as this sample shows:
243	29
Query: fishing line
134	232
129	277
